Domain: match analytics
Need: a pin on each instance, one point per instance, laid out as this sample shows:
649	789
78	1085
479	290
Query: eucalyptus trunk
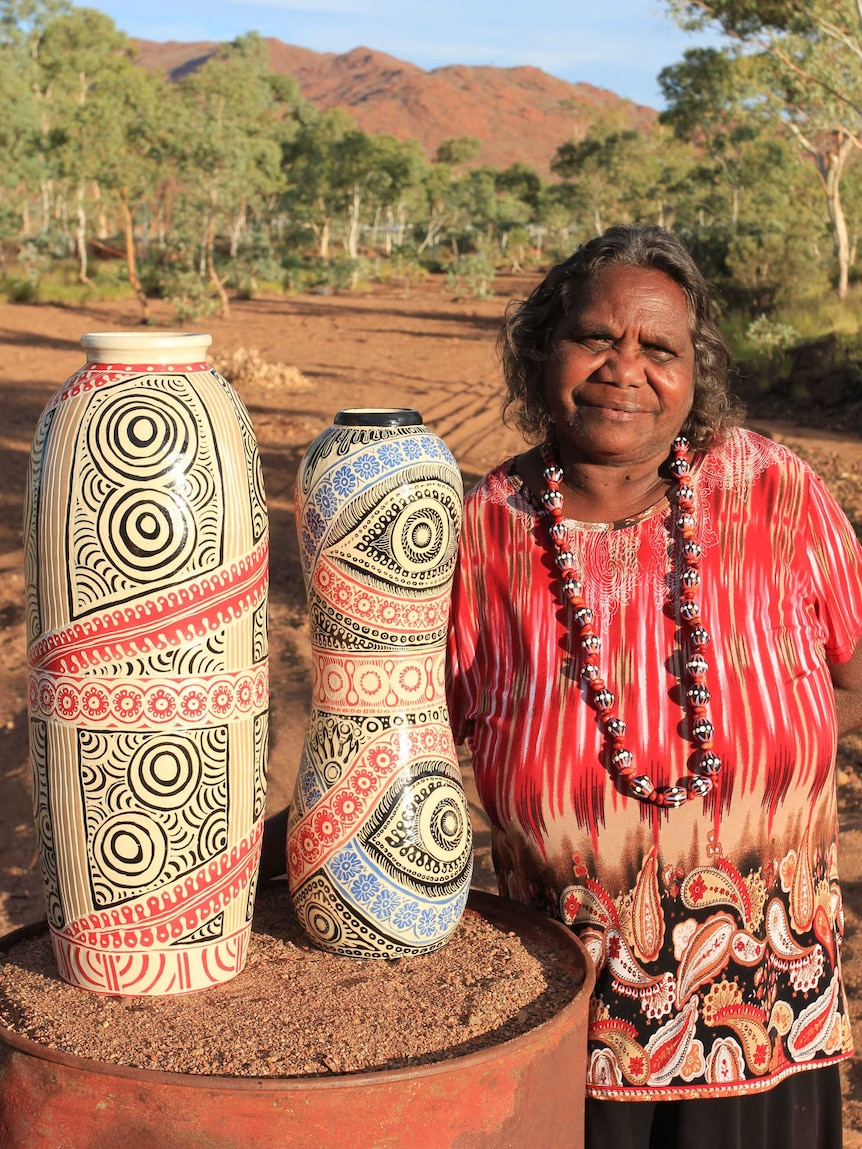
237	230
81	235
322	233
353	224
131	259
215	280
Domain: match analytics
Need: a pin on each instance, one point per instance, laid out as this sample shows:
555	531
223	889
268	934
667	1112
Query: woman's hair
524	343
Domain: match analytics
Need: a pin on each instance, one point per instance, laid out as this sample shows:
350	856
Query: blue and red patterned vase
379	838
146	569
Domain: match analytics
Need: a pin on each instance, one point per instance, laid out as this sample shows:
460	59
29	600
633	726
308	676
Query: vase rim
378	417
145	346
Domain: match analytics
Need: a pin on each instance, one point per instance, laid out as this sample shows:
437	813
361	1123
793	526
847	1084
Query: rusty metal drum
525	1093
146	573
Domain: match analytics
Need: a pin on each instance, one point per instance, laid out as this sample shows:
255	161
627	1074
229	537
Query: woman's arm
847	681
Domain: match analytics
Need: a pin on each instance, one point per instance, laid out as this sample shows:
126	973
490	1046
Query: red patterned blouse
716	928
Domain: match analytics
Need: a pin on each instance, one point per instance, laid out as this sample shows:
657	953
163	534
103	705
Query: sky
616	44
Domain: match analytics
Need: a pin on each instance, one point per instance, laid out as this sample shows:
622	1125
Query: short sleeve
455	680
834	556
462	639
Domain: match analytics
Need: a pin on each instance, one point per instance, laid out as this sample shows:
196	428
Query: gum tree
809	54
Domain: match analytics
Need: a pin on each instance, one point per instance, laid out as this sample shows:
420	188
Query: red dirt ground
380	348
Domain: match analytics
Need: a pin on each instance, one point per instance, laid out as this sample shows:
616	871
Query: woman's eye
595	342
659	354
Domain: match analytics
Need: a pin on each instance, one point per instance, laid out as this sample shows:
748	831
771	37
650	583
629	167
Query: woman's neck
606	494
599	492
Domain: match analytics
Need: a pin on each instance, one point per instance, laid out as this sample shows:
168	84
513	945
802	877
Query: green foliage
227	181
334	276
459	150
406	267
804	60
771	338
188	295
255	265
45	279
472	274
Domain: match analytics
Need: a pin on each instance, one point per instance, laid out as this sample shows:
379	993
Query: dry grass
245	366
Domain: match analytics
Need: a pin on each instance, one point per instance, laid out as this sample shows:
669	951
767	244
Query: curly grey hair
524	343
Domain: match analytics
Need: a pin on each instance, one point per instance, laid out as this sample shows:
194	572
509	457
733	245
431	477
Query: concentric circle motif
443	821
147	534
165	773
332	772
212	839
323	923
422	535
142	437
130	849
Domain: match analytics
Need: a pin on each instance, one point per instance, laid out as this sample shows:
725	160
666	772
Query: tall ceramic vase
379	839
146	562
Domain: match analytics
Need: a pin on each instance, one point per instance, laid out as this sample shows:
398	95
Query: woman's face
620	382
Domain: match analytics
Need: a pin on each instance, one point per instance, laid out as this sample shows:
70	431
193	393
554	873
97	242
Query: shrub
246	366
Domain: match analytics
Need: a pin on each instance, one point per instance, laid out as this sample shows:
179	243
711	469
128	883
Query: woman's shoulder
497	507
500	487
745	458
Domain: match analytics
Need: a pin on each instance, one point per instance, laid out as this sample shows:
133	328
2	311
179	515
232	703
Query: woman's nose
622	367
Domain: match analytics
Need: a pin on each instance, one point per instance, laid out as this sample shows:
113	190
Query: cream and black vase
379	838
146	568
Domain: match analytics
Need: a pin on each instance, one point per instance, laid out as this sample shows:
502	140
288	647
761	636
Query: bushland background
349	228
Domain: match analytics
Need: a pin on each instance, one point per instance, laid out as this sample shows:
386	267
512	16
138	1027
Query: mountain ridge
519	114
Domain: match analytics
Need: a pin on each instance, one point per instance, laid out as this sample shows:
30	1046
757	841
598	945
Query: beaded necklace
705	764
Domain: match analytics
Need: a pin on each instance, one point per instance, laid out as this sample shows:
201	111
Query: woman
653	626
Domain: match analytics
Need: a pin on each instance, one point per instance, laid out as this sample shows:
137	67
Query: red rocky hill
518	113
